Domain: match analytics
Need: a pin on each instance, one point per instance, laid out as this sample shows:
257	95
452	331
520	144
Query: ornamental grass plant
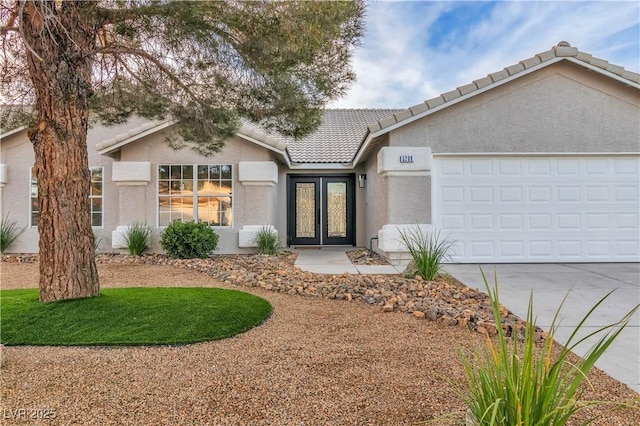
526	385
9	231
138	238
268	241
428	251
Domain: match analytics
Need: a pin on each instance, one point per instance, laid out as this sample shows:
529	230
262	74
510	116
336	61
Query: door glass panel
336	209
305	210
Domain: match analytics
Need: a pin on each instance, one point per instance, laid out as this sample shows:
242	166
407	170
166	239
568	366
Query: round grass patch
130	316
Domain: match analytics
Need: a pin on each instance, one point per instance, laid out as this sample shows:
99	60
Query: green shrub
428	251
267	240
189	240
138	238
9	231
509	385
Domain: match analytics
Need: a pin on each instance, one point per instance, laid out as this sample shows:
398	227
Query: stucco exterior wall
17	153
561	108
252	205
376	196
409	199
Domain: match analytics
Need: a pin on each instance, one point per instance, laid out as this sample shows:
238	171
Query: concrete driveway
585	284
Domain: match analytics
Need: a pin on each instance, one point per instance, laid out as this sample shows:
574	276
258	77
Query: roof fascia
539	154
112	148
603	72
13	132
116	146
321	166
282	153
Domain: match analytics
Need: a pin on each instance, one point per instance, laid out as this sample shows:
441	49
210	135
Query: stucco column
132	179
407	172
258	179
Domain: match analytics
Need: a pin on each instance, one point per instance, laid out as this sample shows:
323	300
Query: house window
95	197
195	192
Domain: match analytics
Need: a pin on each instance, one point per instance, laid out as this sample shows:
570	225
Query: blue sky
415	50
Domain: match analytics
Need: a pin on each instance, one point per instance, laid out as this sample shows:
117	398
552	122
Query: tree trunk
59	41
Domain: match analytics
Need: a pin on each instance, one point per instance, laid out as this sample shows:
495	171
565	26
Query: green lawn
129	316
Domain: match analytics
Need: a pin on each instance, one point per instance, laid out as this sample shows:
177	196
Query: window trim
195	194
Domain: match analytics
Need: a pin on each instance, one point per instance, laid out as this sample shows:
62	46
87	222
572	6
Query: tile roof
338	138
345	135
562	51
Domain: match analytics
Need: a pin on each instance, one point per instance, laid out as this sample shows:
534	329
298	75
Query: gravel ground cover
316	361
364	256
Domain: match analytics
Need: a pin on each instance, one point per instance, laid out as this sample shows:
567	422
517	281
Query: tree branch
5	29
21	30
124	50
113	16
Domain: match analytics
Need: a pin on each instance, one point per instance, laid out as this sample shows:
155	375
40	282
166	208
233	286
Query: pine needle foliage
203	64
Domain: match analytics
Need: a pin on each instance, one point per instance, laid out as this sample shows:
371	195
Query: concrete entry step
334	260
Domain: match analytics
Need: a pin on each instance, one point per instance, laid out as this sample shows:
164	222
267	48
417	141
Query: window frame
195	194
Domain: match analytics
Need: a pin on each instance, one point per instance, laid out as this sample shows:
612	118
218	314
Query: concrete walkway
333	260
585	284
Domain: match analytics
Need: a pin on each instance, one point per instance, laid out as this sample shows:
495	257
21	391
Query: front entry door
321	210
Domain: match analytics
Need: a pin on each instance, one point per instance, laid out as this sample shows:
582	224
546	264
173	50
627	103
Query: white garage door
539	208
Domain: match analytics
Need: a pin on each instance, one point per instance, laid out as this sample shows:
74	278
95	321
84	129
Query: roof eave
605	72
282	152
12	132
112	145
321	166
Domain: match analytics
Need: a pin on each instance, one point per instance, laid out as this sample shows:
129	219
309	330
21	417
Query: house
538	162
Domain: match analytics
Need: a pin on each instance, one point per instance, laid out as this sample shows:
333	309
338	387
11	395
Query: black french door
321	210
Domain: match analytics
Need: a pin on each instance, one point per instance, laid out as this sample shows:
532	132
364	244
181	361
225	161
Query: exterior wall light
362	181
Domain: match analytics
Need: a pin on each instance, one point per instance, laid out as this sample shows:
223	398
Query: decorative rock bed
447	300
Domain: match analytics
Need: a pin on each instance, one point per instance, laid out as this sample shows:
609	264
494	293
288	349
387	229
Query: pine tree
204	64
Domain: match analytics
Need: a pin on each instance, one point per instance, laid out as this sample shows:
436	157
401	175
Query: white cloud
401	65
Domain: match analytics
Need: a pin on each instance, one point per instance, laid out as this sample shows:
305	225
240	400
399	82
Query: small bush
267	240
9	231
189	240
138	238
428	251
512	385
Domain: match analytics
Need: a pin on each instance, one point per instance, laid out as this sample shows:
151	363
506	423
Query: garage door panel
627	221
480	194
627	248
539	209
539	194
570	249
510	221
626	193
511	249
